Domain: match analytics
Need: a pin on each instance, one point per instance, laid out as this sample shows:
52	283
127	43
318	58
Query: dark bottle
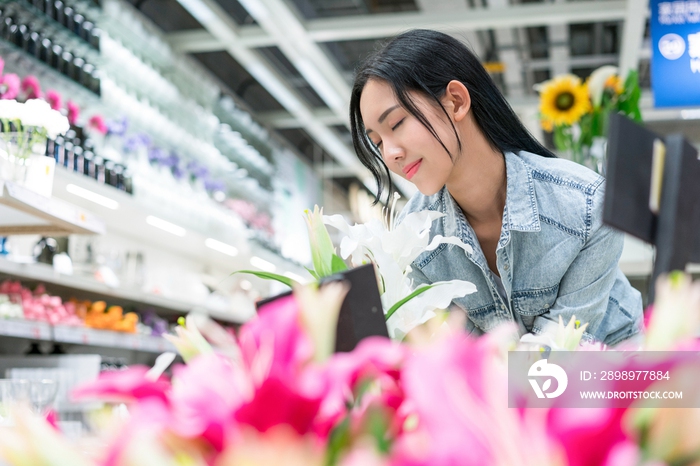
95	82
45	50
11	34
78	159
69	156
94	38
86	77
59	150
68	14
22	36
58	11
6	28
77	74
117	177
78	21
89	167
128	182
87	157
86	30
66	64
33	44
56	52
99	169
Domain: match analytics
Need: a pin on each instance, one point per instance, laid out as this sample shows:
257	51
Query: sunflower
564	100
547	124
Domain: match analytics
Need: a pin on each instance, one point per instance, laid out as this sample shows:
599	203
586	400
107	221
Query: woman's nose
393	153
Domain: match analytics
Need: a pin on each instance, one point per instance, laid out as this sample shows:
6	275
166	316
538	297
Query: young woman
424	108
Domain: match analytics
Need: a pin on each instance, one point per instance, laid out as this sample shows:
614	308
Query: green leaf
339	440
337	264
270	276
396	306
312	272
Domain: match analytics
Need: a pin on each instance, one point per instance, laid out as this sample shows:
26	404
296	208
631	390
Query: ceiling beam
387	25
291	37
210	14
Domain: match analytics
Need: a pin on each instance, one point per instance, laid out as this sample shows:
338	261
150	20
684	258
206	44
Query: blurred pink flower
274	343
9	86
54	99
31	87
128	385
97	123
73	112
206	392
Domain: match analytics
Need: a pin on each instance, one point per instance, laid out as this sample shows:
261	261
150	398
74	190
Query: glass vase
16	151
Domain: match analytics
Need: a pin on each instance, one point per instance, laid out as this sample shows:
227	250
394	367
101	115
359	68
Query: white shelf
23	211
20	328
46	274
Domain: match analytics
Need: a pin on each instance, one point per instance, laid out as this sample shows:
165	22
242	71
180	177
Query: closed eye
397	124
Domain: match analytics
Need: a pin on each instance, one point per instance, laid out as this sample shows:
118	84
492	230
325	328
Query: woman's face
407	147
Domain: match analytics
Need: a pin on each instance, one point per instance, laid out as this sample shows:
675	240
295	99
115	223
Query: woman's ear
458	99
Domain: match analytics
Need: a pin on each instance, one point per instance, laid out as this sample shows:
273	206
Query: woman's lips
411	170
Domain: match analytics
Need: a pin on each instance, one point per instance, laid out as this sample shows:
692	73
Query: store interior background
258	91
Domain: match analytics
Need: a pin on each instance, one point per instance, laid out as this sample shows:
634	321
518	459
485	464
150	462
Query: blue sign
675	53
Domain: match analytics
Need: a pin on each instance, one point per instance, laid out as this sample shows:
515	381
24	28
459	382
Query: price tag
25	329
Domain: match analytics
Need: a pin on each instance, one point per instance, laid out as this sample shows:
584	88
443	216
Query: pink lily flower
97	123
125	386
205	395
54	99
9	86
31	87
73	112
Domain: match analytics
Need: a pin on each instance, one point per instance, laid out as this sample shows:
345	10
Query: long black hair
426	61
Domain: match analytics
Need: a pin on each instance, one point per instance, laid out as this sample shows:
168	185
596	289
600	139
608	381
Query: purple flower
214	185
118	127
197	170
132	143
157	155
178	172
171	160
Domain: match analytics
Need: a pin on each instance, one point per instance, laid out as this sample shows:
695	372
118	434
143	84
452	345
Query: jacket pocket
485	318
532	303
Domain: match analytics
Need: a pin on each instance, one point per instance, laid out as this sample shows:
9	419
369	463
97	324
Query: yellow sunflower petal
564	100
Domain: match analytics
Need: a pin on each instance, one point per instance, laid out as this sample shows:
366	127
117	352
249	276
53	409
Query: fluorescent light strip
262	264
93	197
165	226
295	277
221	247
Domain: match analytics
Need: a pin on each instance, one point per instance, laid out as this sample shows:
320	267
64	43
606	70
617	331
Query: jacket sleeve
585	287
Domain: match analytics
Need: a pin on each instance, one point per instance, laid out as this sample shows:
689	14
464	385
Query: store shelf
23	211
46	274
19	328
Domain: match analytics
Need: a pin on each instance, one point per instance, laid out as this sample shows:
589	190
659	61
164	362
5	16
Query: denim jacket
554	256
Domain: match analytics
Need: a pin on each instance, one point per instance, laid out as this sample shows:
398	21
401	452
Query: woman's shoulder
562	172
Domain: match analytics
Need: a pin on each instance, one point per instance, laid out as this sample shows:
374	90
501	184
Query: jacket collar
521	205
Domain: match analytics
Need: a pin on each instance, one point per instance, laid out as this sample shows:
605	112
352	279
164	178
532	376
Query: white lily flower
422	308
392	249
596	83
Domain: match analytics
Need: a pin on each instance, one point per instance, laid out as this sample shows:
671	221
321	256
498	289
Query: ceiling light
166	226
295	277
94	197
221	247
262	264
